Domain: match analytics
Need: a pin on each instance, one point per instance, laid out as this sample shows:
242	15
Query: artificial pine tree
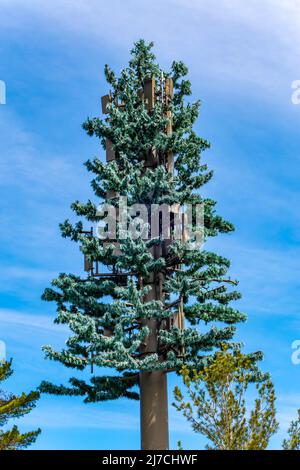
11	407
129	317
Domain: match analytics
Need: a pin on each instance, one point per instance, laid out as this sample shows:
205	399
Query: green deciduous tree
11	407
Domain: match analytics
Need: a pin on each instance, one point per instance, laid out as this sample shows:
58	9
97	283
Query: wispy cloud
229	38
39	322
26	163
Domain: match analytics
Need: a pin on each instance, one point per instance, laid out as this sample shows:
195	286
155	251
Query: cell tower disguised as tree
137	310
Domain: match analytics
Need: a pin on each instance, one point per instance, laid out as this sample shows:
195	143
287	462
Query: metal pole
153	386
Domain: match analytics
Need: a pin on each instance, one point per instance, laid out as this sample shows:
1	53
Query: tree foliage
216	403
11	407
292	441
92	306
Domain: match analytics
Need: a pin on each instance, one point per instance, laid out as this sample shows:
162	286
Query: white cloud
35	321
249	41
27	164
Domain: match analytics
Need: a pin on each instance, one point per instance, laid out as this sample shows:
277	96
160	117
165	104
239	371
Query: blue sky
243	57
